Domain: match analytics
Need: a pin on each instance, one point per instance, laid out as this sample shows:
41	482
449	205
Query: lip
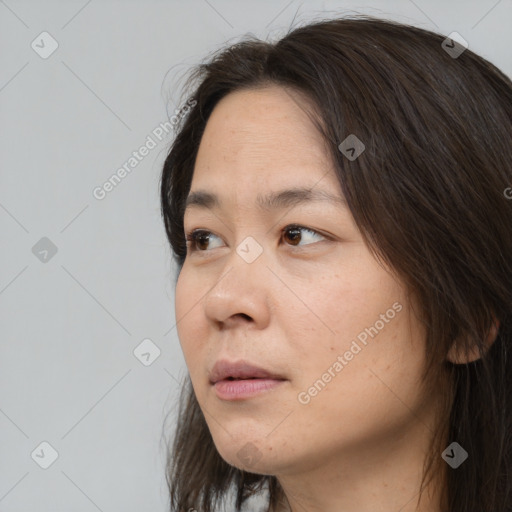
232	390
223	369
253	380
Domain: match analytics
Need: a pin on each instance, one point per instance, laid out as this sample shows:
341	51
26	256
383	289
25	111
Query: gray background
71	321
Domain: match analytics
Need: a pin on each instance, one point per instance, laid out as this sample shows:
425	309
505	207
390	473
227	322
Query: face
290	288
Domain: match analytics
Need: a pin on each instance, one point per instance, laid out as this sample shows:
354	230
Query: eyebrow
272	201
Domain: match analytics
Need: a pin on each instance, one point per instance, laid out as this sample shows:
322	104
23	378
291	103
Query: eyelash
192	236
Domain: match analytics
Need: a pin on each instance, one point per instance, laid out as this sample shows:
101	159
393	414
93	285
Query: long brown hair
427	194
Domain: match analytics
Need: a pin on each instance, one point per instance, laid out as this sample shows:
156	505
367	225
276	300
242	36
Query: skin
359	444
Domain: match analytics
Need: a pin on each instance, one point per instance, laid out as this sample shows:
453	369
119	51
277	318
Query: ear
457	356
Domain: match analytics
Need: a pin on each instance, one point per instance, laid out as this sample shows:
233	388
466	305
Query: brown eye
294	233
198	240
202	241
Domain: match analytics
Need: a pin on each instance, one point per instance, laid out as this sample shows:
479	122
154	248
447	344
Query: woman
336	203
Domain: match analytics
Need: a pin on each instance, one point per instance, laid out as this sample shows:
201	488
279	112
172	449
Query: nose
241	295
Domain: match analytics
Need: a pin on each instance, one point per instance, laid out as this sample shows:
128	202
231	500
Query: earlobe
457	356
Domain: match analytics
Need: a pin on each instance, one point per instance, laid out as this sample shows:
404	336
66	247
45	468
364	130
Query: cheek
183	294
367	397
358	316
340	305
187	308
376	355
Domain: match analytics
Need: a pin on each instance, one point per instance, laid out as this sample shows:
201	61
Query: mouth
242	378
227	371
236	389
246	379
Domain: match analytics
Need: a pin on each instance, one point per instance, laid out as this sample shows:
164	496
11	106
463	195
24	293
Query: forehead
259	140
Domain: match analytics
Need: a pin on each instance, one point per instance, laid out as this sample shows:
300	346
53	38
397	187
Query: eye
196	237
293	232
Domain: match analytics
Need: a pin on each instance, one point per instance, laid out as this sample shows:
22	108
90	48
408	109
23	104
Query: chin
252	456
